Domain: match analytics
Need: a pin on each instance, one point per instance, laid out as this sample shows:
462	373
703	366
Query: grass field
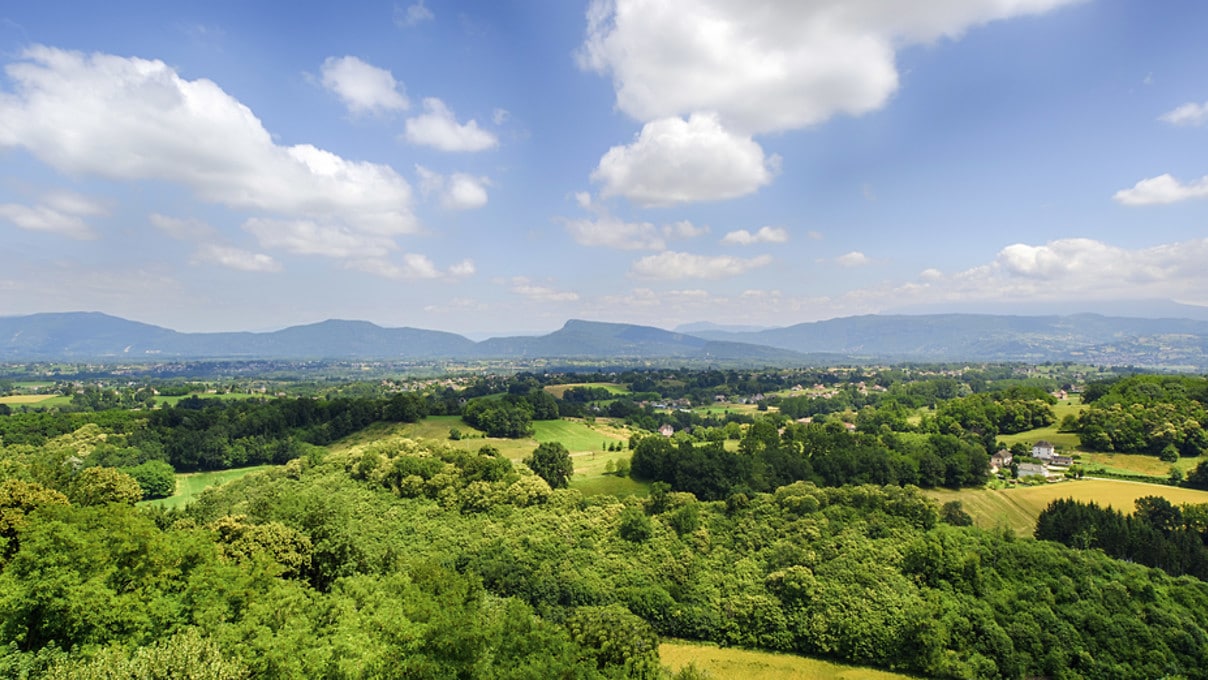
584	440
1063	440
1018	508
755	665
27	398
1135	463
190	484
613	388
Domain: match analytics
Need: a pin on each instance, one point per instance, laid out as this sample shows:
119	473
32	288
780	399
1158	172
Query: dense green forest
392	557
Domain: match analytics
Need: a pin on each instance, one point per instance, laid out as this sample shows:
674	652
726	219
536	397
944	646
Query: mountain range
1087	338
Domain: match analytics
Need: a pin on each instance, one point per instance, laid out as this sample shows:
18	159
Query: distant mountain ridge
1087	338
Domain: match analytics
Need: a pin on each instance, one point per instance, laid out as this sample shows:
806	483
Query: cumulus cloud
362	87
236	258
738	68
671	265
413	266
307	237
673	160
210	245
605	230
853	259
128	119
412	15
742	237
1190	115
59	212
1162	189
768	65
437	127
1061	270
458	191
522	285
47	219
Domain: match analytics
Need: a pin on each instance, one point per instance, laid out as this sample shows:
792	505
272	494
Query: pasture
225	396
1068	441
750	664
190	484
616	389
1018	508
1134	464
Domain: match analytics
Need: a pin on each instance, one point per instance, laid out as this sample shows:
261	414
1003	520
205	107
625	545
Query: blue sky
504	166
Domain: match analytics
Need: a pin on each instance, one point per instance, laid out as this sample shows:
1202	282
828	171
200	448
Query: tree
551	462
953	512
101	485
156	478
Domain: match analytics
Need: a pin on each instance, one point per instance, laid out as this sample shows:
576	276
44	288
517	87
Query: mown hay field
1018	508
749	664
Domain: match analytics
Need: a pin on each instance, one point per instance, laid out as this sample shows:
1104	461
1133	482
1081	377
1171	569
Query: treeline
1163	416
827	455
1159	534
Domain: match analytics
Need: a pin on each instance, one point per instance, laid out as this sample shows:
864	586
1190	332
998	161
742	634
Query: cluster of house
1051	464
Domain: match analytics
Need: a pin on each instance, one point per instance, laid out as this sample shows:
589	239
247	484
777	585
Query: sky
501	167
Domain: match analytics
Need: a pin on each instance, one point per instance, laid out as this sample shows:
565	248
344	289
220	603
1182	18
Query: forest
384	556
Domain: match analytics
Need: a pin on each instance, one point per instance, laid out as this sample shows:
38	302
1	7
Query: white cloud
414	266
362	87
1072	269
768	65
671	265
458	191
605	230
522	285
815	235
47	219
1190	114
306	237
500	116
742	237
438	128
685	229
1162	189
135	119
853	259
210	245
235	258
673	160
412	15
463	269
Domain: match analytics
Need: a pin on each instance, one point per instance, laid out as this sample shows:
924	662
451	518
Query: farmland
750	664
1018	508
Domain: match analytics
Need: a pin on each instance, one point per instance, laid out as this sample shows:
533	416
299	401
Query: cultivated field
1018	508
27	398
749	664
190	484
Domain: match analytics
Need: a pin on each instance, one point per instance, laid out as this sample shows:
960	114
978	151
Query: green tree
551	462
156	478
101	485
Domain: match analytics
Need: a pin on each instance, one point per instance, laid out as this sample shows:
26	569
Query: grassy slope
1063	440
1018	508
749	664
28	398
581	438
190	484
613	388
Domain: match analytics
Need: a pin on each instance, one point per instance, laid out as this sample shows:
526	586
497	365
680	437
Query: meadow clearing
190	484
